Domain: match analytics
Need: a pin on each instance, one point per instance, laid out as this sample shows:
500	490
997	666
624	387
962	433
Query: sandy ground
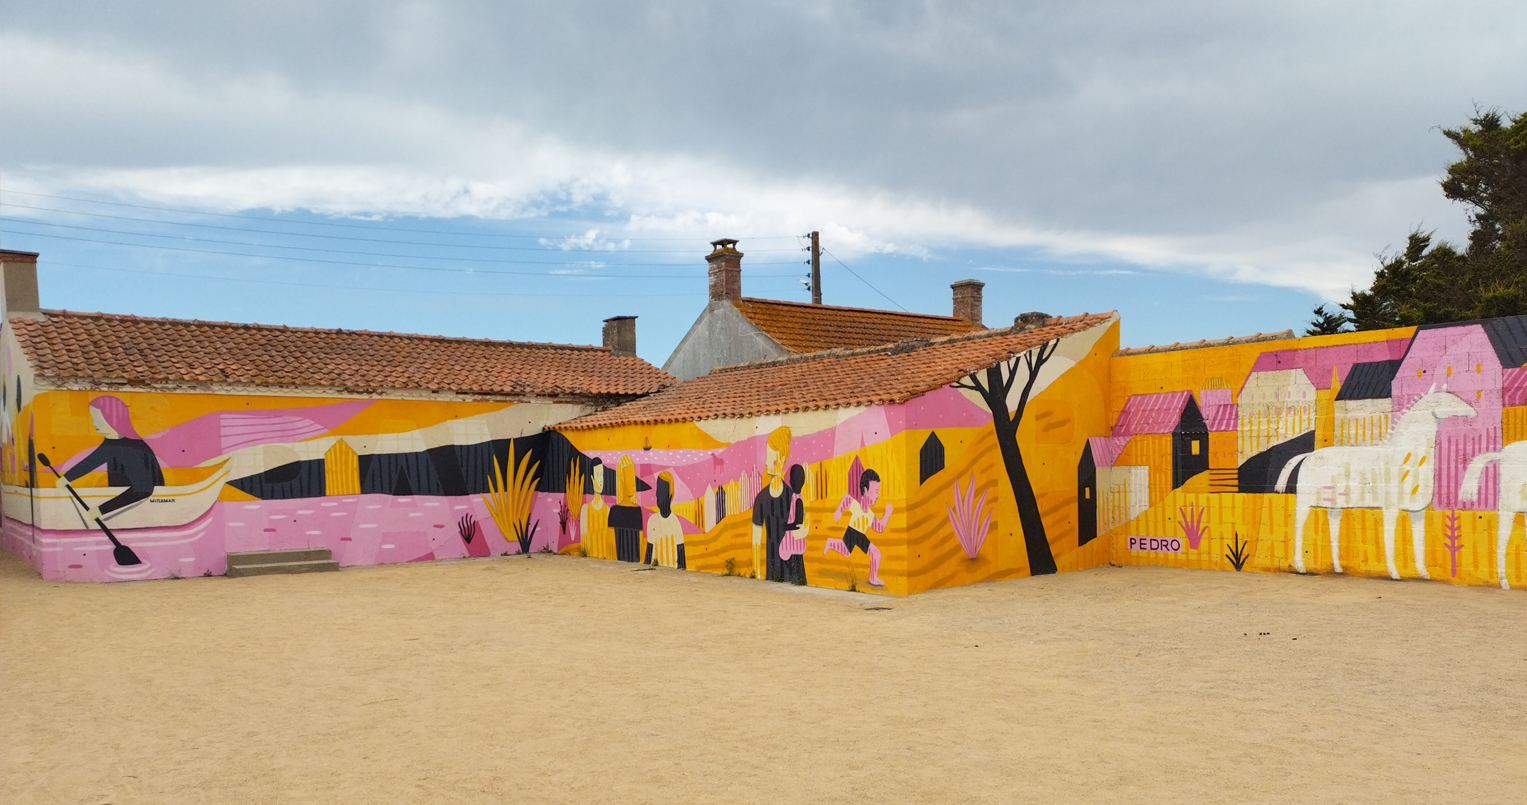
557	679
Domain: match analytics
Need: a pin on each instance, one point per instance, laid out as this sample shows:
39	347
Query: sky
525	170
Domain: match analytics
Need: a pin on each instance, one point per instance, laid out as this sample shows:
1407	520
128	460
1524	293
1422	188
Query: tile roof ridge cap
844	352
811	306
1281	335
49	313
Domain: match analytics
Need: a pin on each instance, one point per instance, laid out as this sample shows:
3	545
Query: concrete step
273	557
277	568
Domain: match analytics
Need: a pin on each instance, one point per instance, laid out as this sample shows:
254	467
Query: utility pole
816	268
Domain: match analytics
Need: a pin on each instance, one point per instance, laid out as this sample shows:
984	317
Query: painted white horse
1395	475
1513	495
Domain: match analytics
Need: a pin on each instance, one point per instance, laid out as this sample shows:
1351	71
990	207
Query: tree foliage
1429	282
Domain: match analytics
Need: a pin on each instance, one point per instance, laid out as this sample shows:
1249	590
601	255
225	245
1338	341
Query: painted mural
1400	453
137	485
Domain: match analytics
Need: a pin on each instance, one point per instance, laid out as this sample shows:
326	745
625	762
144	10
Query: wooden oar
123	554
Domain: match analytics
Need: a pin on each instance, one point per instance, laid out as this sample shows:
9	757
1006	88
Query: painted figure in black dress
772	515
625	515
128	459
792	545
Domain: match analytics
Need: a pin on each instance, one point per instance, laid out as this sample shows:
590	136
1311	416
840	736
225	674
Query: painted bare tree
995	388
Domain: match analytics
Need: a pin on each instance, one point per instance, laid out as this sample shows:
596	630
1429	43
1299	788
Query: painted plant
969	517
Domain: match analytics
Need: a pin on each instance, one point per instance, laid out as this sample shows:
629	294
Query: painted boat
54	508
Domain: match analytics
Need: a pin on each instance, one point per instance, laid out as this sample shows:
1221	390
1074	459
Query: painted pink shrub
969	517
1453	541
1192	522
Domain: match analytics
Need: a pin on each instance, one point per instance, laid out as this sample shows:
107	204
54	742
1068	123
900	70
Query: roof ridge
334	330
813	306
907	344
1175	346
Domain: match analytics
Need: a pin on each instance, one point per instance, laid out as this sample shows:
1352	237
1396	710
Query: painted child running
861	521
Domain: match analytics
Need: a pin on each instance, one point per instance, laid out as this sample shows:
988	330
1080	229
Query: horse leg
1390	517
1301	511
1333	516
1507	519
1418	543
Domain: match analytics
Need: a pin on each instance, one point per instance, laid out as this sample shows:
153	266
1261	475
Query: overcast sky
1207	168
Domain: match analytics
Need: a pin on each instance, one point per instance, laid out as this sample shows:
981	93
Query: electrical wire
863	280
621	294
246	216
350	237
393	265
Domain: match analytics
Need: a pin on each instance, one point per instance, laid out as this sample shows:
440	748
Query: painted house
1166	432
193	439
898	468
1469	360
1364	407
735	329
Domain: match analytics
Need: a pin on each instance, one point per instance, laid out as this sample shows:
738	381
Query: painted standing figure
594	519
861	521
129	460
625	515
665	532
771	508
792	547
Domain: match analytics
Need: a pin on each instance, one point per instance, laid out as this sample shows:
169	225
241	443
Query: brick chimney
725	270
620	335
18	296
967	300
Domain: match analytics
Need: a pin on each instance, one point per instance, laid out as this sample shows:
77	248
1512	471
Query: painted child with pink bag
861	521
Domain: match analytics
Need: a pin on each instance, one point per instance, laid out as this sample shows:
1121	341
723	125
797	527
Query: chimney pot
18	296
967	300
620	335
725	270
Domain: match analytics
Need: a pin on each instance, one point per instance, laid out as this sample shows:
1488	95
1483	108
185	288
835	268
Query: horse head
1442	405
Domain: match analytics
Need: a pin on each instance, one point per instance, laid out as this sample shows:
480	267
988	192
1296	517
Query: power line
622	294
863	280
347	237
395	265
488	260
246	216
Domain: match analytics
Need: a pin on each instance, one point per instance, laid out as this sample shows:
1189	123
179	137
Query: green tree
1430	282
1327	322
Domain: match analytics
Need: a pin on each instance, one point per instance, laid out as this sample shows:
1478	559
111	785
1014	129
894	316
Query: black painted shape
1191	429
446	462
1369	381
720	505
296	479
1086	497
930	459
1259	475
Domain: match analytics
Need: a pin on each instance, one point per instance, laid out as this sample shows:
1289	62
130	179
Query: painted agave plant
970	517
509	500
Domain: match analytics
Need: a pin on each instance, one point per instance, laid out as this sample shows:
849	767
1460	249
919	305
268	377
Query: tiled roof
1373	380
131	349
802	328
1220	412
835	378
1223	342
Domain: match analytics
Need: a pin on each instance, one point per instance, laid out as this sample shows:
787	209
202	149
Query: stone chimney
967	300
18	295
725	270
620	335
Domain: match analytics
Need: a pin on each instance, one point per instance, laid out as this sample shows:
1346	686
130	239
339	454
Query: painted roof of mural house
1373	380
1220	411
108	348
1319	364
1157	412
802	328
1508	336
886	373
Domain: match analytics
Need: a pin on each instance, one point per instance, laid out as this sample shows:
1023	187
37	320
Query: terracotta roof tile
133	349
803	328
834	378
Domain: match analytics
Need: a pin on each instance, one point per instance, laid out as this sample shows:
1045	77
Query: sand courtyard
559	679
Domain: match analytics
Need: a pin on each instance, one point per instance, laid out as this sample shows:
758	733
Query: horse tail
1288	469
1468	492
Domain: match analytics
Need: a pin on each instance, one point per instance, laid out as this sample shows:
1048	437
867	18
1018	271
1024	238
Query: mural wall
177	481
933	492
1400	453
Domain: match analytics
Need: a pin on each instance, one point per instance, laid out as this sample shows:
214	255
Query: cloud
1281	145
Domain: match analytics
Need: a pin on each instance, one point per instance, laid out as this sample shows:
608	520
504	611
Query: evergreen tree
1428	282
